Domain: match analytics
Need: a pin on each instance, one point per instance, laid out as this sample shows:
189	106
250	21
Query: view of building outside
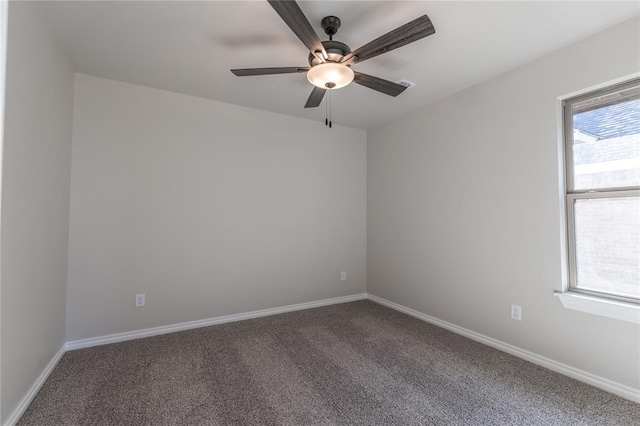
606	154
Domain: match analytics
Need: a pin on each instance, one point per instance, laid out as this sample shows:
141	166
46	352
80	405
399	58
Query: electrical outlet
343	276
139	300
516	312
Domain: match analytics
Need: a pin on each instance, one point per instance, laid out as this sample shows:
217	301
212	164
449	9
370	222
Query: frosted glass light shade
330	72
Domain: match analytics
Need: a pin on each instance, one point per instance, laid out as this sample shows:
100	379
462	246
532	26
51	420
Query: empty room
271	212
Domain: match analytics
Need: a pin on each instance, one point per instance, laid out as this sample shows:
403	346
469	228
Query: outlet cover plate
139	300
516	312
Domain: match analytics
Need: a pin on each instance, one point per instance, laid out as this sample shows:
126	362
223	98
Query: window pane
608	245
606	146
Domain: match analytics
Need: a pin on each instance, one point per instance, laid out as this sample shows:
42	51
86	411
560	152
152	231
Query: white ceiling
189	47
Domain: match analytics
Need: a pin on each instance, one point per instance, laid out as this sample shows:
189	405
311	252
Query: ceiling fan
331	60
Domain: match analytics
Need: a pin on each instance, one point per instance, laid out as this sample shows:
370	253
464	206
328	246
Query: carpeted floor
351	364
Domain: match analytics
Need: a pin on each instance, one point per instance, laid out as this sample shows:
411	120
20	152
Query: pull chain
330	108
326	111
327	105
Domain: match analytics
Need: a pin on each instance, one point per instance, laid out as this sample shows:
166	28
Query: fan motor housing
336	50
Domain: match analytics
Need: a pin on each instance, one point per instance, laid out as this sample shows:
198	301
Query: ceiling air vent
406	83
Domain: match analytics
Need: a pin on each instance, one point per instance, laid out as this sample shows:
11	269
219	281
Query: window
602	154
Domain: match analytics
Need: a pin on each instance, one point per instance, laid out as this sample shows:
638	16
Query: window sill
599	306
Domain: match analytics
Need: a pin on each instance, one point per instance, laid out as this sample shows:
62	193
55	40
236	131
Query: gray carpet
358	364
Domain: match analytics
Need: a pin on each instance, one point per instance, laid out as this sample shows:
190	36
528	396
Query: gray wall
464	209
35	201
208	208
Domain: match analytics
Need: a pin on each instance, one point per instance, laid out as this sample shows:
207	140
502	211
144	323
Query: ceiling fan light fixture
330	75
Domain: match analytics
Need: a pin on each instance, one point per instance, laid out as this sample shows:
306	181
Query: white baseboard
597	381
148	332
31	393
121	337
584	376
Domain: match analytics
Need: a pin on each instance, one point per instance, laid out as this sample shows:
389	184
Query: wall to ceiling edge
464	209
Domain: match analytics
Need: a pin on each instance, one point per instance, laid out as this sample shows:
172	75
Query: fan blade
265	71
293	16
384	86
401	36
315	97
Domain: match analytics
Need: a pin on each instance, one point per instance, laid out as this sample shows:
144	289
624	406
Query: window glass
607	239
602	143
606	146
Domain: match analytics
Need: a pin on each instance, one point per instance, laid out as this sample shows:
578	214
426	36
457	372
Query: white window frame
577	298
